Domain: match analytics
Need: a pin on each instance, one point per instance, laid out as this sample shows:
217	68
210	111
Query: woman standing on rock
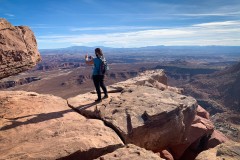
98	74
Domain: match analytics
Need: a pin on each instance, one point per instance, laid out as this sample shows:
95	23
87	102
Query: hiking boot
106	96
98	100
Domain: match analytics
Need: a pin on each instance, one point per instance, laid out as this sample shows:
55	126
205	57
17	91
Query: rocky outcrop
131	152
152	78
216	139
142	116
197	137
35	126
136	112
227	151
142	113
18	49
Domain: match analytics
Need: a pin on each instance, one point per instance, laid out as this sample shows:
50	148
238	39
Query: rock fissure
105	122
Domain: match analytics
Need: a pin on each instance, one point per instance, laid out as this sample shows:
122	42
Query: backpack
103	66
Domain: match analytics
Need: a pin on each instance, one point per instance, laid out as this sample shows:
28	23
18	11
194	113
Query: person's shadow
82	107
44	116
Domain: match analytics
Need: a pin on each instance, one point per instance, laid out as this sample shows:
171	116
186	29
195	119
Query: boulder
130	152
216	138
35	126
202	112
225	151
142	115
152	78
196	140
165	154
18	49
201	136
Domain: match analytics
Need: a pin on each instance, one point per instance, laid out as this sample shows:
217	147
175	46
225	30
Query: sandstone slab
152	78
35	126
202	112
130	152
201	136
216	138
227	151
142	115
18	49
196	139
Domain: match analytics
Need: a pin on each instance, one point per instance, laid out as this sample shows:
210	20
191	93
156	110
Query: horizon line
142	46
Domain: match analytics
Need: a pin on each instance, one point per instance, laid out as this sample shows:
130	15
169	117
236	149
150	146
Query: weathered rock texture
18	49
152	117
35	126
142	114
225	151
130	152
216	139
154	78
197	137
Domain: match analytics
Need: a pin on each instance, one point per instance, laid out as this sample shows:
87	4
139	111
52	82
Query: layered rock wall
18	49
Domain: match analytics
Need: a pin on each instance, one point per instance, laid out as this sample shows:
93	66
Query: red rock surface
18	49
130	152
200	130
166	155
142	114
216	139
35	126
225	151
202	112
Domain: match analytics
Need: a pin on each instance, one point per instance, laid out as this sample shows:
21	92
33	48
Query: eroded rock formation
227	151
142	116
152	117
18	49
131	152
35	126
137	112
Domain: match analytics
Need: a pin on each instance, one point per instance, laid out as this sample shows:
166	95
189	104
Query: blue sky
127	23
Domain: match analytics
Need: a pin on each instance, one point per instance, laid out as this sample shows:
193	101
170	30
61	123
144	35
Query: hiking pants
98	81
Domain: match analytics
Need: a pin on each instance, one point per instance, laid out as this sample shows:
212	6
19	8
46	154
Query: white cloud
113	28
208	14
216	24
214	33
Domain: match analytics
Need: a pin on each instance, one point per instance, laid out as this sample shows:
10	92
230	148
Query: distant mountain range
160	49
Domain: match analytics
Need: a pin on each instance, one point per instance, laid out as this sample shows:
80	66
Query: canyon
143	118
